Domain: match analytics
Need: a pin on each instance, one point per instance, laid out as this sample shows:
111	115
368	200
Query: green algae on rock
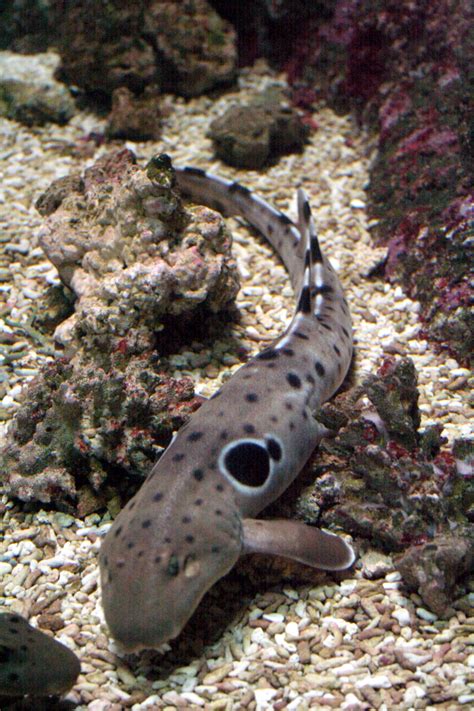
88	433
123	242
31	662
253	135
29	93
136	261
186	48
383	480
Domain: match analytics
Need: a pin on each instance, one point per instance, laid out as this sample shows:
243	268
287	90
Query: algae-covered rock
91	425
123	242
134	117
28	91
185	48
251	135
432	569
80	423
383	480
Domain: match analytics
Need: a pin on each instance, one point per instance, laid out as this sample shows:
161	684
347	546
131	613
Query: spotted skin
31	662
193	517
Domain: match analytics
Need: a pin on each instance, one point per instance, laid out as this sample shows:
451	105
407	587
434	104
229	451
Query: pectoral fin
298	541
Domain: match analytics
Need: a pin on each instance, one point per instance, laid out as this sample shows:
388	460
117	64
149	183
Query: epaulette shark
31	662
194	515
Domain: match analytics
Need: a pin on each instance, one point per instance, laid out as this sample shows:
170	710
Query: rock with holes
28	91
87	432
382	479
123	242
31	662
187	47
249	136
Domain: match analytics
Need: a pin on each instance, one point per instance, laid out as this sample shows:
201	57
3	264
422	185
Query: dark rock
80	423
195	46
134	117
383	480
250	136
91	426
29	93
404	67
432	569
185	47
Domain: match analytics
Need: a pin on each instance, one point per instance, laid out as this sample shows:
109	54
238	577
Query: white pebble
274	617
402	616
263	697
357	204
291	631
426	614
5	568
413	693
378	681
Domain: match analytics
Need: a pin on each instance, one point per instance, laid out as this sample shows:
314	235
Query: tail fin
310	293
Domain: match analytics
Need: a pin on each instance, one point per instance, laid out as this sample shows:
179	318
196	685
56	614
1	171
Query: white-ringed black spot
248	462
293	380
320	369
274	449
194	436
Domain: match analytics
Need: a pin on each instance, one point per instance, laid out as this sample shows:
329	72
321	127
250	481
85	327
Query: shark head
158	562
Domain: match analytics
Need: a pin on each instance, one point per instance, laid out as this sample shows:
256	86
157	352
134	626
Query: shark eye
248	463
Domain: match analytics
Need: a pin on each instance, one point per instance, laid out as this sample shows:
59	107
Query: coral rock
28	91
250	136
122	241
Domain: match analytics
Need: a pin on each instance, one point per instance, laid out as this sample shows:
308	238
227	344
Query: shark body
194	516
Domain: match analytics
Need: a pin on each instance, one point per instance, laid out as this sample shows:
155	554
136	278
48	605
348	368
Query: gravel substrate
362	643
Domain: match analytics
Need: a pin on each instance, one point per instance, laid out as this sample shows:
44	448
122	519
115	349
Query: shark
32	663
195	514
